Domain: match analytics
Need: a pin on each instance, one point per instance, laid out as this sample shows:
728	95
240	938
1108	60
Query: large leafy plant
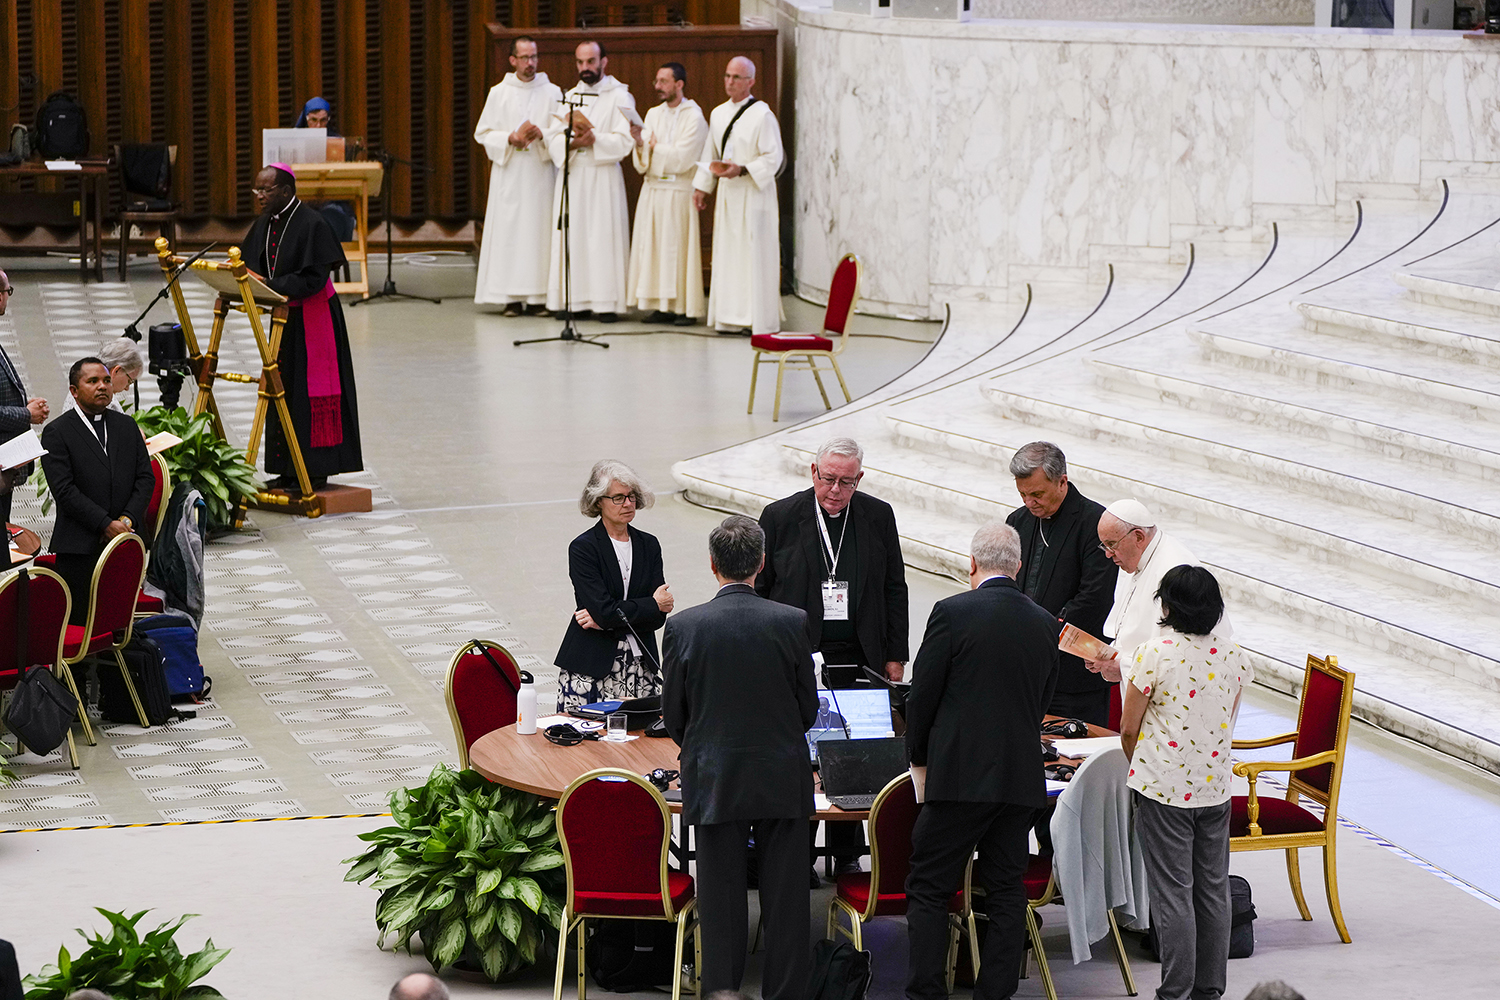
128	965
471	866
214	466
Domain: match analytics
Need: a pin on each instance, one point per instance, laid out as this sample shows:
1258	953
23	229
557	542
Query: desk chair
892	817
112	596
802	350
615	829
146	180
479	699
48	607
1316	770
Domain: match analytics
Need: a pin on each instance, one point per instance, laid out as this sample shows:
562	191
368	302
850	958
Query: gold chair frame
458	729
58	665
806	359
686	919
272	394
957	922
1052	894
1256	840
122	639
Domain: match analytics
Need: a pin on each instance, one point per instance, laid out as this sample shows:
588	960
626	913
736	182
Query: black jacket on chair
597	588
1077	582
980	687
794	571
92	488
738	696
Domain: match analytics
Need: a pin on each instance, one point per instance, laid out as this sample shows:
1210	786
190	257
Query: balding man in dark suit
738	696
980	687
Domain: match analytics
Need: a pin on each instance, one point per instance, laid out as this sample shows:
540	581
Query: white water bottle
526	705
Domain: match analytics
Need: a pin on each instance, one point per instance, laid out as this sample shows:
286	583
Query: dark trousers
943	840
77	572
1090	706
781	851
1187	863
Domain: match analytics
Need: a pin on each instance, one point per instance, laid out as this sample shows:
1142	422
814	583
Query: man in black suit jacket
980	687
100	477
738	698
1063	568
17	411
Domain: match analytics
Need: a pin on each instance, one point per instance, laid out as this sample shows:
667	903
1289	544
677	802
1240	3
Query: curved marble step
1453	345
1413	379
1450	294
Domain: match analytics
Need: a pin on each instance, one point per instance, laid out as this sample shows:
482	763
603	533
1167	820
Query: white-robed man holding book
740	159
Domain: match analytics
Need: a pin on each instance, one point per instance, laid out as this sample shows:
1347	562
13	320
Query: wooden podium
241	291
357	181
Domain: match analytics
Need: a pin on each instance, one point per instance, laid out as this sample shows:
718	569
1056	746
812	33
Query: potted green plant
472	867
129	966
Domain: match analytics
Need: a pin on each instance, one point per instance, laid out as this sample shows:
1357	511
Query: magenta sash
323	389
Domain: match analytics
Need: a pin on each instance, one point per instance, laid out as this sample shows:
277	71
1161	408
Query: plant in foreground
128	965
471	866
215	467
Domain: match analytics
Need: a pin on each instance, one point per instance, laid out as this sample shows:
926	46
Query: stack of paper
23	448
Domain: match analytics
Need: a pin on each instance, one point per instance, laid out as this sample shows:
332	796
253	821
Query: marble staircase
1321	430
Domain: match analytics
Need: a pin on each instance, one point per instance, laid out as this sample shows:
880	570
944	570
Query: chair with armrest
156	516
47	610
1258	823
802	350
481	696
146	181
112	596
615	829
881	892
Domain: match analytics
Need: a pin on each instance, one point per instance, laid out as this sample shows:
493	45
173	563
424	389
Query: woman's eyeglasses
618	499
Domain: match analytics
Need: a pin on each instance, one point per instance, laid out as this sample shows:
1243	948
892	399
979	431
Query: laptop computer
854	771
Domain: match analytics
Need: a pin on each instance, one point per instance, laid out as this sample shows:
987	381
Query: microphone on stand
823	673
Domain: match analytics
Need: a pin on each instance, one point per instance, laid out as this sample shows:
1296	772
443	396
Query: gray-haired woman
617	577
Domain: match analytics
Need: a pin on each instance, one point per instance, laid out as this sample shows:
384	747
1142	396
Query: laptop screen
860	767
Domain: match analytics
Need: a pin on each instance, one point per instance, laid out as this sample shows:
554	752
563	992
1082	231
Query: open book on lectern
225	283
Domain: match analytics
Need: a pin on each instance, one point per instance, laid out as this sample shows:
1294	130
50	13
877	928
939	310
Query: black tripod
569	331
388	290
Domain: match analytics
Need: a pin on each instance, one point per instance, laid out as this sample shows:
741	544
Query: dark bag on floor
62	128
41	710
628	956
143	657
1241	919
178	641
839	972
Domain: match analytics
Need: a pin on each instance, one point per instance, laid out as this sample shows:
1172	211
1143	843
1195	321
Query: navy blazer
597	588
738	696
91	488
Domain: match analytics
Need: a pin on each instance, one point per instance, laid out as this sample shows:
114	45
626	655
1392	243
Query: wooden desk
357	181
92	176
24	544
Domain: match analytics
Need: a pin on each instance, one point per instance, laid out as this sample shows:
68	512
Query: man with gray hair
1063	569
738	698
419	986
980	687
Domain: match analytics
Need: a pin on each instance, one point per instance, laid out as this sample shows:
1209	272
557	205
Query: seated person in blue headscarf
318	113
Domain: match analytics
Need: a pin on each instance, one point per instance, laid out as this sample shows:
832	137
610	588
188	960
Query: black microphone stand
564	223
388	290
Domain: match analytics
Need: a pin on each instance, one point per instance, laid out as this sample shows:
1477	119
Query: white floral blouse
1192	682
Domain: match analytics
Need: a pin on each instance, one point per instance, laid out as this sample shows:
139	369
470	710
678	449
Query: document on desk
24	447
64	165
1087	747
1055	788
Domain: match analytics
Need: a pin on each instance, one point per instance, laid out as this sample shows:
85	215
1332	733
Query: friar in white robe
599	242
745	291
666	246
518	219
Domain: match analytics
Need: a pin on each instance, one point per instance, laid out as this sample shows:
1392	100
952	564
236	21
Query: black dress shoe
537	310
661	317
814	882
511	309
684	321
608	317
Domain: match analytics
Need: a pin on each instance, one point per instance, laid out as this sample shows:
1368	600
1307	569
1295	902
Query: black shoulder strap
485	651
23	621
724	142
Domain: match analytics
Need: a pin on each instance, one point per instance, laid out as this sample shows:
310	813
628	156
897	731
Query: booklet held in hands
24	447
1077	642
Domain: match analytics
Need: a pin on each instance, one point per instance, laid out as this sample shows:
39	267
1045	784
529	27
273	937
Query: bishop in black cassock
291	247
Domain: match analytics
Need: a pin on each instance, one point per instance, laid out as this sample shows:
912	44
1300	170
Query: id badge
835	600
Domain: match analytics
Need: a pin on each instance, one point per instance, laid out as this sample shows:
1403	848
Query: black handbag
41	709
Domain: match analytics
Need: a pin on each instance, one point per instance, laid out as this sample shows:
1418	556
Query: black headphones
565	735
661	778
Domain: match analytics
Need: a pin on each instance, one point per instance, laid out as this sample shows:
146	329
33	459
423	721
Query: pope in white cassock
518	218
745	292
666	258
599	244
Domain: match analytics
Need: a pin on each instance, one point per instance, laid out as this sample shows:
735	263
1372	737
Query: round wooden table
535	765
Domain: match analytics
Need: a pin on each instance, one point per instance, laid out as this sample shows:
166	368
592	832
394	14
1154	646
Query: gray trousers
1187	865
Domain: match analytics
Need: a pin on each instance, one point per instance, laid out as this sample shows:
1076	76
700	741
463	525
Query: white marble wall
1174	11
965	160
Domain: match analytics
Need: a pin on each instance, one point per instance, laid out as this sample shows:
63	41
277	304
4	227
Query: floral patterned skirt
630	677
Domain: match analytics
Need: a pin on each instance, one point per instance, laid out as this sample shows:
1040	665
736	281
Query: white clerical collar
993	576
1146	555
738	104
291	206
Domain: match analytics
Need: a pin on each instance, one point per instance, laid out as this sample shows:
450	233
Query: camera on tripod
166	350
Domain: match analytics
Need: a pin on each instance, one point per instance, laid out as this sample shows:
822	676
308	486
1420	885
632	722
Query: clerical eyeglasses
832	481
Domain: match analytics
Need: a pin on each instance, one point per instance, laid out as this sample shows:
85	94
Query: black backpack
62	128
144	658
839	972
629	956
1241	923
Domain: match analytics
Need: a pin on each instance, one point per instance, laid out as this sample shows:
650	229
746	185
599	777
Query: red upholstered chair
892	817
479	699
117	584
1041	888
802	350
156	515
48	607
615	829
1316	769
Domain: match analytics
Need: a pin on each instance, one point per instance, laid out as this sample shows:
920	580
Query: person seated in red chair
100	477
